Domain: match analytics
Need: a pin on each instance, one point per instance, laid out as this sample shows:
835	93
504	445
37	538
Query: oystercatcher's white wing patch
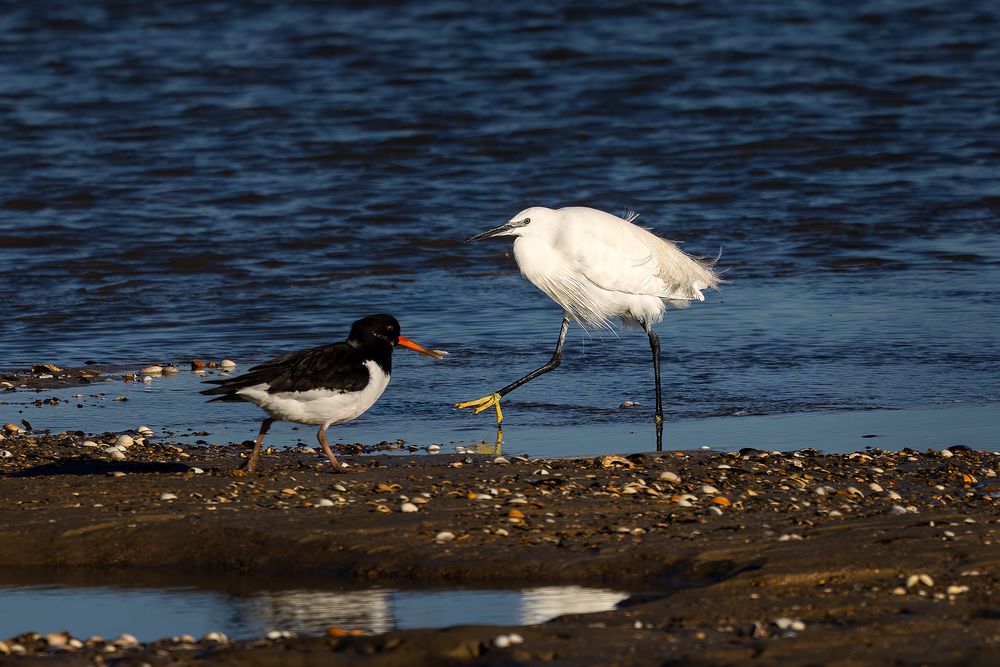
319	406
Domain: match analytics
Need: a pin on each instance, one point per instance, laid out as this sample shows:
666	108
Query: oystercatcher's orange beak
406	342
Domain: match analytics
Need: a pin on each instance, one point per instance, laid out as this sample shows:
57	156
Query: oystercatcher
324	385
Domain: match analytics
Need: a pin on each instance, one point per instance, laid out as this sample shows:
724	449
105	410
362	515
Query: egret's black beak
497	231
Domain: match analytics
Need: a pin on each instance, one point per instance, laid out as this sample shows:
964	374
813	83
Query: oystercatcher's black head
375	328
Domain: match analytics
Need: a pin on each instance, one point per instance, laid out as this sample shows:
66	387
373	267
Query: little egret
599	267
325	385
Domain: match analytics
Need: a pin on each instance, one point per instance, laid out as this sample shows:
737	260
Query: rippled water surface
242	178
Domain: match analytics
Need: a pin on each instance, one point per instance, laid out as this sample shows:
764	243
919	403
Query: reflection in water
154	613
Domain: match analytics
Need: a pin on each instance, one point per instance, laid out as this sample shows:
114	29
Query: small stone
671	477
915	579
227	364
444	536
166	495
794	624
408	507
152	370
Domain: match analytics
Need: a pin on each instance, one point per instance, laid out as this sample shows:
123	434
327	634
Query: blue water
239	179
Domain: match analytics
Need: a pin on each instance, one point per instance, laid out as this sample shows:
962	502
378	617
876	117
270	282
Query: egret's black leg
654	345
251	463
493	400
547	366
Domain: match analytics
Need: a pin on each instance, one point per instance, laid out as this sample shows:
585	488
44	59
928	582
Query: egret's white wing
621	257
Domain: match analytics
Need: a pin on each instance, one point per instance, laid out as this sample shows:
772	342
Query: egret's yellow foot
484	403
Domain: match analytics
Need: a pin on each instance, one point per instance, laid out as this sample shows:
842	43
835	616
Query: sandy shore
750	558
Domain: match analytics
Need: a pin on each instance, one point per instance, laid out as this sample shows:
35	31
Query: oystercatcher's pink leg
321	436
251	463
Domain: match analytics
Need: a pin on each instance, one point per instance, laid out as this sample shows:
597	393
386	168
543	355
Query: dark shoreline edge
718	567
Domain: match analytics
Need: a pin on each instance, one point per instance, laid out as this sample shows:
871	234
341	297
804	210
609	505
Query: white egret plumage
599	267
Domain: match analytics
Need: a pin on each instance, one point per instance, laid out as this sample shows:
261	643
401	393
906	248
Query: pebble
671	477
152	370
794	624
408	507
444	536
168	496
227	364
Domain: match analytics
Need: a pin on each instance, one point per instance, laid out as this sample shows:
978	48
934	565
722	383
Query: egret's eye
527	220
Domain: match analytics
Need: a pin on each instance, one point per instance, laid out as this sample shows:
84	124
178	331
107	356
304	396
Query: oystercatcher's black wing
338	366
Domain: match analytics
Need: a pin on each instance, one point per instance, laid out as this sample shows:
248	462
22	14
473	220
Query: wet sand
755	558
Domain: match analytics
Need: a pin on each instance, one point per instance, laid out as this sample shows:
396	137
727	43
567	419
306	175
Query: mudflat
871	558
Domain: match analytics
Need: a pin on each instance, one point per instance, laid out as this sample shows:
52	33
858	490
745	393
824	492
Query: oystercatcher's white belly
319	406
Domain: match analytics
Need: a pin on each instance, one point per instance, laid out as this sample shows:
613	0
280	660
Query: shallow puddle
154	613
